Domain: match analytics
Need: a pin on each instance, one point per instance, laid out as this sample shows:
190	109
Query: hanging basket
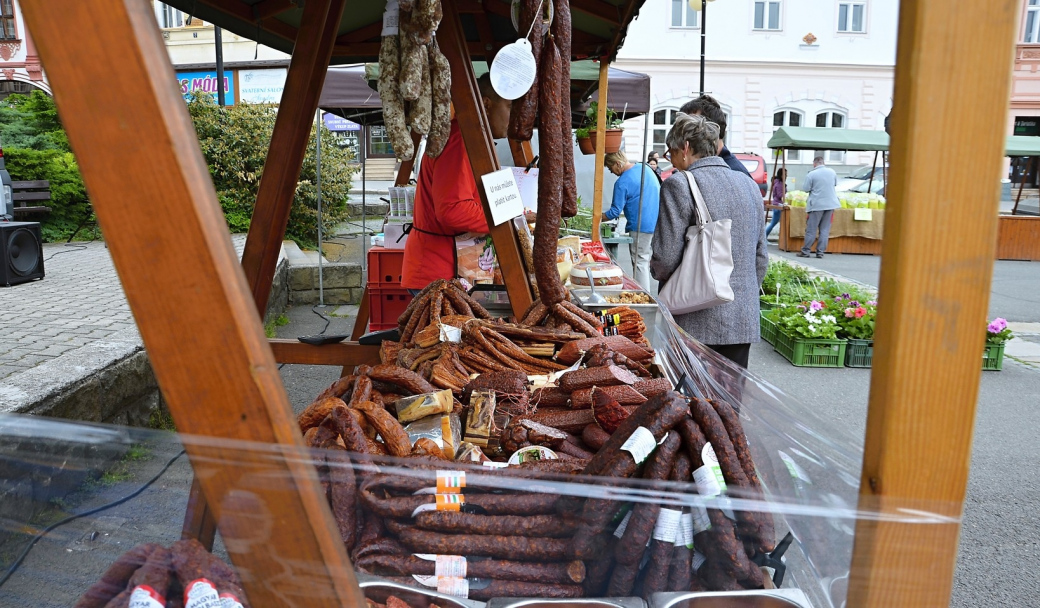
613	143
586	146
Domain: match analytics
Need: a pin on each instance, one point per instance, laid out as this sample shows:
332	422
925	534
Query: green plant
588	124
814	320
581	132
856	318
235	140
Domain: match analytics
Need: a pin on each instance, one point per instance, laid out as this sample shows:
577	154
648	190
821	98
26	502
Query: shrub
69	203
234	141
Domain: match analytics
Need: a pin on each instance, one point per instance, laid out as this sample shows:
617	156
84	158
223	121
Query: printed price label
640	444
667	528
144	596
201	593
459	587
450	502
450	566
390	18
229	601
709	479
700	520
450	482
623	525
685	536
698	560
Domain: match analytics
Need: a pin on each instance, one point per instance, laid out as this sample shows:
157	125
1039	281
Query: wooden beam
269	8
363	315
199	522
522	153
371	49
601	147
135	142
289	141
936	273
404	172
598	9
343	354
480	146
368	32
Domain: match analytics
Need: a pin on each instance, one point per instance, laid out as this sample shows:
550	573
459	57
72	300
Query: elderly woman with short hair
729	328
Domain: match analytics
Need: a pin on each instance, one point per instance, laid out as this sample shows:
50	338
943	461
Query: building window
663	120
7	31
852	17
170	17
683	15
832	120
767	15
789	118
1032	33
379	142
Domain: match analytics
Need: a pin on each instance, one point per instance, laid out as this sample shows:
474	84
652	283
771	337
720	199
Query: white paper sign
503	195
512	71
261	86
527	183
863	215
390	18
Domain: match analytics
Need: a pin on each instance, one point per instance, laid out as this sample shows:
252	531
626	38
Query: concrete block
303	277
338	276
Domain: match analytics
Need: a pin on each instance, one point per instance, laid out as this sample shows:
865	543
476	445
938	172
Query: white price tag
452	566
667	528
709	479
863	215
698	560
459	587
700	520
623	525
512	71
450	333
503	195
639	444
685	536
390	18
201	593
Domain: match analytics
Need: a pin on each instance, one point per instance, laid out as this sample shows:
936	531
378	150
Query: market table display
848	235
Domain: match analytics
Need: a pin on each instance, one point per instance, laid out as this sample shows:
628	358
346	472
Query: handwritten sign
503	195
863	215
527	182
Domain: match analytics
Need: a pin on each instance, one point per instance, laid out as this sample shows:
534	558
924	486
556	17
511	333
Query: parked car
859	177
877	187
756	166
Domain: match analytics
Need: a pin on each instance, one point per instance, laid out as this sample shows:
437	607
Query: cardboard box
391	233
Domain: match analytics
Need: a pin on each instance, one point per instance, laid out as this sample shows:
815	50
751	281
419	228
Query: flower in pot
584	142
588	129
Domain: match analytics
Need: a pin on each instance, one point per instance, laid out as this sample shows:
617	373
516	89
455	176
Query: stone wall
343	283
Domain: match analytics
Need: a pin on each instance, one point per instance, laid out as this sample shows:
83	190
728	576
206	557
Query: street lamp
702	6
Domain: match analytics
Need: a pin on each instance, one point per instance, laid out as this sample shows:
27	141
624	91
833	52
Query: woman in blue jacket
635	183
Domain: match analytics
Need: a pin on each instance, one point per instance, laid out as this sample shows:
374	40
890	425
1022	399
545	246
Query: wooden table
1018	237
836	244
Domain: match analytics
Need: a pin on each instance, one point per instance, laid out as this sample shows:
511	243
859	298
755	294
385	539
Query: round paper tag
513	70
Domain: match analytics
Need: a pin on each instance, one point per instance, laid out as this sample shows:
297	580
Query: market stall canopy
600	26
814	138
627	92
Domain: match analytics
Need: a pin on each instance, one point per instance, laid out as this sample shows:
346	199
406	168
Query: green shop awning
1022	145
812	138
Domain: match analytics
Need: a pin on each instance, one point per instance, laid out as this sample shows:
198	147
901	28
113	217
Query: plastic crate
993	358
385	267
385	304
768	328
804	352
859	353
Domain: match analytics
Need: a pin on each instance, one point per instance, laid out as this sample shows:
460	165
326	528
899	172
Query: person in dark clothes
706	106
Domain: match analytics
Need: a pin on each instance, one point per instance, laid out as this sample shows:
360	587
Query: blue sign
207	81
338	123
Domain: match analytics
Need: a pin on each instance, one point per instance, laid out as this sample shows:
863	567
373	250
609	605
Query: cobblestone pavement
80	300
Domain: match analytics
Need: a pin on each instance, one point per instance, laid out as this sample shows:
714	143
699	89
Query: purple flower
846	296
871	302
998	325
800	307
814	306
854	304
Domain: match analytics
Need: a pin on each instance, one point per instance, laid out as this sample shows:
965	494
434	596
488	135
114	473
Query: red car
756	166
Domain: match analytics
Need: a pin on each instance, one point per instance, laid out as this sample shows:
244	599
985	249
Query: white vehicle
860	177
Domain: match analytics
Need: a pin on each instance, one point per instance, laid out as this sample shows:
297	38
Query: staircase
379	169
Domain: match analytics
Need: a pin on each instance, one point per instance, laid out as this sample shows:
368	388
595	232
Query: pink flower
860	311
814	306
997	325
849	313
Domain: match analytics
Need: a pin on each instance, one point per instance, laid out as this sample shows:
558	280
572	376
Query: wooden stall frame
936	271
601	147
145	172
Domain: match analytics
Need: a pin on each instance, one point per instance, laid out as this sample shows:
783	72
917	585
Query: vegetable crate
385	304
805	352
768	329
859	353
385	267
993	358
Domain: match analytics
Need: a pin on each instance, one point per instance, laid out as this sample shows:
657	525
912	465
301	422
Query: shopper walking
779	191
635	183
823	200
729	328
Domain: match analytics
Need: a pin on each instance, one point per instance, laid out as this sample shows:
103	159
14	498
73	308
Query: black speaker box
21	253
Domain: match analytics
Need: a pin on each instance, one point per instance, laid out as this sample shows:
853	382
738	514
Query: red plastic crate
385	305
385	267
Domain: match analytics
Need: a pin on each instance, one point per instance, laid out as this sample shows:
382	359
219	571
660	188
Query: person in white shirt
823	200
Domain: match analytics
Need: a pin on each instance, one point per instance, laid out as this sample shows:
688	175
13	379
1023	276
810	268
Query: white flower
829	318
810	317
812	328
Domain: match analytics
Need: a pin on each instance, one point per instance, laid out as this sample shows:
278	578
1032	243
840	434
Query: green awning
812	138
1022	145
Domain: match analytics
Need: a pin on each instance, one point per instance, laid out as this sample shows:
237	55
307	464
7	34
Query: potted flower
807	335
587	131
997	333
857	326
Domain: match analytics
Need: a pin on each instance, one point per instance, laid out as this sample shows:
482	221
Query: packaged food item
532	453
415	407
471	453
603	273
564	262
475	255
445	430
481	421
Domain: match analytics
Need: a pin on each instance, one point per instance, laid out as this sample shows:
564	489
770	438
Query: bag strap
703	217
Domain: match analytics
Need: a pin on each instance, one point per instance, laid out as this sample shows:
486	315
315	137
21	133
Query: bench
26	192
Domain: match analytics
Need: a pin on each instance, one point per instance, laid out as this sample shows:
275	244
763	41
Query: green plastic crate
993	358
768	328
859	353
804	352
762	304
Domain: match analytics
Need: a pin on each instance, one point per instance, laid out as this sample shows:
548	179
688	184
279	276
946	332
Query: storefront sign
1027	125
207	81
261	86
503	195
338	123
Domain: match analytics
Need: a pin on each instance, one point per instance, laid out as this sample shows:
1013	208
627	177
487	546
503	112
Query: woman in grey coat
693	143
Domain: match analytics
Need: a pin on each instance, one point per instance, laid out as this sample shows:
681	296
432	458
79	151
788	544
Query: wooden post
522	154
601	146
404	172
135	143
364	313
292	129
480	146
935	284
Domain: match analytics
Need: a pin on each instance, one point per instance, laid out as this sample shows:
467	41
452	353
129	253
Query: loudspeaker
21	253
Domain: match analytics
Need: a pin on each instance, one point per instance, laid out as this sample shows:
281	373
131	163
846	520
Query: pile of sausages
151	575
415	80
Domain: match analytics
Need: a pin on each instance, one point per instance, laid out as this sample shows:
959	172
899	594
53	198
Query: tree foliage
234	141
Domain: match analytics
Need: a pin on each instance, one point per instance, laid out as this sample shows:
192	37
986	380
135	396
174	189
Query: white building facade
20	68
769	63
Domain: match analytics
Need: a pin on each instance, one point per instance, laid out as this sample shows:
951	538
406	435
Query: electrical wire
314	309
18	562
78	248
